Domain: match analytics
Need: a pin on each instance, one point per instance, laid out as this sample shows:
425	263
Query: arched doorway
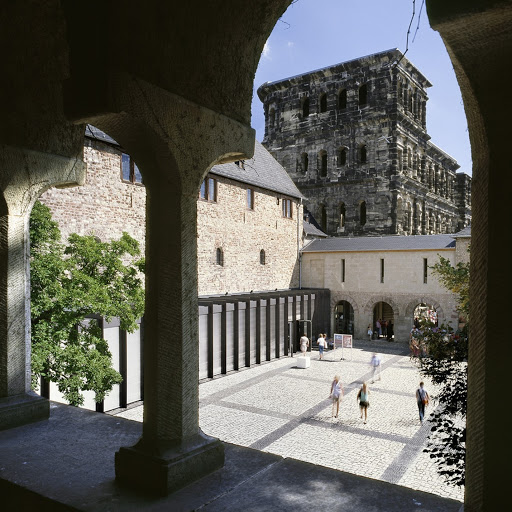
425	312
344	318
383	316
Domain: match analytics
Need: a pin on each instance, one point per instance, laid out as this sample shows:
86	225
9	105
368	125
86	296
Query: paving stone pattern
282	409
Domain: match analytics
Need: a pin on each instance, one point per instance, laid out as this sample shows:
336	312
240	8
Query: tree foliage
443	359
71	286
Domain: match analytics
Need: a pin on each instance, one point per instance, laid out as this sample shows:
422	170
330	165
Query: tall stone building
353	138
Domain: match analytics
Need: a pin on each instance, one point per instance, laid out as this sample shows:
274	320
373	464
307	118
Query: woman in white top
321	345
336	393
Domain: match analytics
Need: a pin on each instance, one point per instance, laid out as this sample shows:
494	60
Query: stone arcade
147	90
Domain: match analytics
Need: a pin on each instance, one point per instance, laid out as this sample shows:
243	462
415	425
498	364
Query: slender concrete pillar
24	175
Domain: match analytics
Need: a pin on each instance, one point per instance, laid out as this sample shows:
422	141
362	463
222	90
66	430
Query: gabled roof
463	233
262	170
382	243
312	230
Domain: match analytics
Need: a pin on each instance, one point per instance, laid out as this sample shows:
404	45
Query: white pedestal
303	362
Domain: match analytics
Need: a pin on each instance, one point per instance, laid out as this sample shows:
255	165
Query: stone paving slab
66	463
281	409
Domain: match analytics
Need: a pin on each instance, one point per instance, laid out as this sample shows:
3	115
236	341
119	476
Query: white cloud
266	51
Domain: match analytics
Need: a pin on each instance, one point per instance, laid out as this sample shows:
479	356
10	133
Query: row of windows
413	218
382	270
322	160
219	257
341	101
209	192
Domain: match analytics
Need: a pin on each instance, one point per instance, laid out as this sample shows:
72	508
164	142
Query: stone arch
411	305
337	297
342	99
368	307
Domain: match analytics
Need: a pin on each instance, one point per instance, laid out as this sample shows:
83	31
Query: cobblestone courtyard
282	409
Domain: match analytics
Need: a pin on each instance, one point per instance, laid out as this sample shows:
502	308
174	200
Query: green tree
71	285
444	360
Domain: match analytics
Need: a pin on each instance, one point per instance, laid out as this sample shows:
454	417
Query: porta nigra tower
353	138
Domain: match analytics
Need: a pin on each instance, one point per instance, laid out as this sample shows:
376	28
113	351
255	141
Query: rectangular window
202	191
208	190
212	190
425	270
129	170
343	270
250	199
381	270
287	208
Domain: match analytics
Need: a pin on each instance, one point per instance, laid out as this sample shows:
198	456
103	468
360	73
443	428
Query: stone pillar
174	142
479	41
24	175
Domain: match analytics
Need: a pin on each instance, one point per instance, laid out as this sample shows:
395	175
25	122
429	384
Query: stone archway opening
383	321
343	318
425	312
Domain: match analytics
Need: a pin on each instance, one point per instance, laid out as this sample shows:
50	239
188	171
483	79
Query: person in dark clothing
390	330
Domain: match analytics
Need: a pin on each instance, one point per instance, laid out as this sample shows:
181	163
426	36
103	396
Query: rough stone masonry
353	138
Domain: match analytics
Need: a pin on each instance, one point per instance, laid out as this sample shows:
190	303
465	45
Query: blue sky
313	34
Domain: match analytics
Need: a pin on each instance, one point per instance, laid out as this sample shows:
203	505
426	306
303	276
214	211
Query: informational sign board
342	341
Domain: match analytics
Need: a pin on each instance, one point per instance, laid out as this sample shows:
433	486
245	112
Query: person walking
375	364
304	343
363	399
321	345
378	328
370	332
336	394
422	398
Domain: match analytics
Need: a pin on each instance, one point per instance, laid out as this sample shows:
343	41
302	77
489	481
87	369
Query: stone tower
353	138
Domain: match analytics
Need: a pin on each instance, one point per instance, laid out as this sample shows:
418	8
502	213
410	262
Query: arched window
272	118
220	257
262	257
363	95
323	163
342	215
342	99
341	157
304	162
363	154
305	107
362	213
323	218
323	102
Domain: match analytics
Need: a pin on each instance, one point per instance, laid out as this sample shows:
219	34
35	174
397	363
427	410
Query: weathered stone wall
353	138
403	287
242	234
105	206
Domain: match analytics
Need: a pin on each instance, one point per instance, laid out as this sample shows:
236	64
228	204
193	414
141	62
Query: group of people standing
383	328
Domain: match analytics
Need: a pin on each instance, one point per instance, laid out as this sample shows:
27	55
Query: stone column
174	142
24	175
479	41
